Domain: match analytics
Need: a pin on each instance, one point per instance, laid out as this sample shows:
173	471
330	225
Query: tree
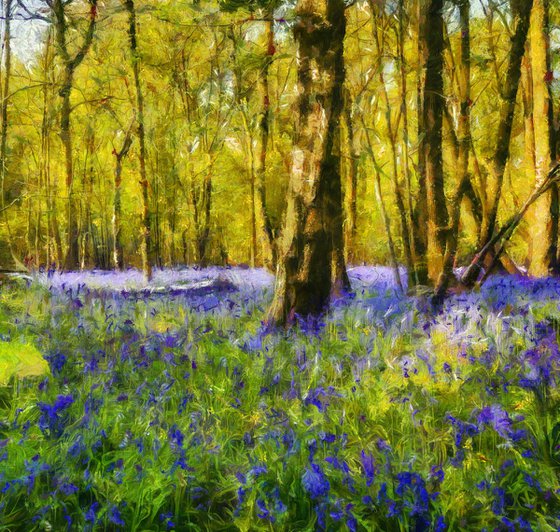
521	11
544	233
310	244
70	62
432	119
463	151
139	111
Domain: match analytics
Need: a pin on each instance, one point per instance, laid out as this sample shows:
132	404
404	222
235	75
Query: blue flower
115	516
368	464
53	417
315	482
436	472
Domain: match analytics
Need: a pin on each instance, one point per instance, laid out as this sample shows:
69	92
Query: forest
279	265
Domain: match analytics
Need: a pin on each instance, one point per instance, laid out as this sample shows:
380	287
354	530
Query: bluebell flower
437	473
258	470
115	516
368	463
440	525
263	512
315	482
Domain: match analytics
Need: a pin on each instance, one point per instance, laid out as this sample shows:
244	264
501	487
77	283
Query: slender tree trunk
70	65
314	212
118	255
383	210
266	231
543	248
521	11
145	248
352	180
433	105
413	278
7	67
463	151
420	215
397	185
529	165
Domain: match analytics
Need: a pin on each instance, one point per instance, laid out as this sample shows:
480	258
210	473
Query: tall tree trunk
529	165
70	65
314	211
463	151
397	185
413	278
432	109
383	210
268	246
521	11
543	256
118	255
139	111
420	215
7	67
352	180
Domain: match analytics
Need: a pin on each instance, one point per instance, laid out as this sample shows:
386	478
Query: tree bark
433	105
118	255
543	248
463	151
352	180
420	214
139	111
313	226
521	10
266	231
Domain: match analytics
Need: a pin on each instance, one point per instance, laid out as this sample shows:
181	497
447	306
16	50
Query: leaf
20	360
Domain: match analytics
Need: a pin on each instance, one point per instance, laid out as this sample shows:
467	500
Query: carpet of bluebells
167	408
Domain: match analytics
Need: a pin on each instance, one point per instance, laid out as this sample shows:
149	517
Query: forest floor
172	406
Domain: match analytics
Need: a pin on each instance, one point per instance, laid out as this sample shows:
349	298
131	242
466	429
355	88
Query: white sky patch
27	39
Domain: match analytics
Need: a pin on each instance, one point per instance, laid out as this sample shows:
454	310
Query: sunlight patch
20	360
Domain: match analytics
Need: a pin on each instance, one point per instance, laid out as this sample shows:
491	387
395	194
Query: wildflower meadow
133	408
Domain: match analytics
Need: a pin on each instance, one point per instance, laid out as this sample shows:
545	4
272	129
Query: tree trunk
412	276
7	67
266	231
314	212
70	64
543	247
521	11
397	185
383	210
352	181
420	215
118	255
463	151
432	109
139	111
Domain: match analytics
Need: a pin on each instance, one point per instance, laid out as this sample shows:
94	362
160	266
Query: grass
165	412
